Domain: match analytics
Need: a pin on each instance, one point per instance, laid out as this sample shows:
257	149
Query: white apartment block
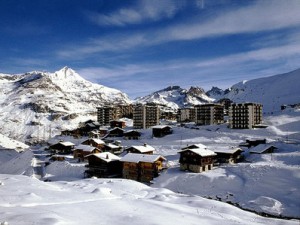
245	115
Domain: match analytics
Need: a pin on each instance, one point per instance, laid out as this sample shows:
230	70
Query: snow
107	201
200	151
136	158
107	156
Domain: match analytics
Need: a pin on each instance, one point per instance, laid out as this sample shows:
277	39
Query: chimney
145	144
107	156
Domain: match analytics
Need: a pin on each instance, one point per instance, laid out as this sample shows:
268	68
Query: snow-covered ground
25	200
265	183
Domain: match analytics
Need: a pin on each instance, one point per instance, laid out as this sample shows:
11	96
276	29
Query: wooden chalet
95	142
104	165
88	126
117	123
253	142
103	131
161	130
141	149
112	148
116	132
263	149
142	167
132	135
62	147
196	159
81	151
232	155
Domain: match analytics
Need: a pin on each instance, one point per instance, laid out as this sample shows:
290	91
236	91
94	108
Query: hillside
36	105
176	97
272	91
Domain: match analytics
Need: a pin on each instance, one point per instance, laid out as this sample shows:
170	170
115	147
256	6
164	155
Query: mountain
272	91
37	104
176	97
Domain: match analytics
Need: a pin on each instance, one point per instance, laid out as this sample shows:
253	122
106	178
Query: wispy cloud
259	17
219	71
144	11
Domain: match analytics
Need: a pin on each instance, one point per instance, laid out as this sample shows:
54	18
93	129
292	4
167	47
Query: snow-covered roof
66	143
261	148
200	151
98	141
143	148
110	145
195	146
160	126
85	148
106	156
135	157
227	150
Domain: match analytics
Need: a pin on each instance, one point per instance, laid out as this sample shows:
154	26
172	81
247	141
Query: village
104	156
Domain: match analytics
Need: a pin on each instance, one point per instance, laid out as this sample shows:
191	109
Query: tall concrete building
106	114
209	114
186	115
245	115
145	116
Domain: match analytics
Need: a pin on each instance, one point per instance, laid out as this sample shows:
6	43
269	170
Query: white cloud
262	16
145	10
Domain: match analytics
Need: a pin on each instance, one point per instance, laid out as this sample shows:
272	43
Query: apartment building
106	114
245	115
145	116
186	115
209	114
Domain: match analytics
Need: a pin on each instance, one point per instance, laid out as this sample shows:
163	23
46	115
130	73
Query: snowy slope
36	105
116	201
272	91
176	97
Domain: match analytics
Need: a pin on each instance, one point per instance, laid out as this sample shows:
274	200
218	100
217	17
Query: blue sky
141	46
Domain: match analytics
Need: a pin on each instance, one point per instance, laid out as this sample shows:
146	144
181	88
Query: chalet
232	155
103	131
94	134
103	164
142	167
117	123
161	130
141	149
196	159
95	142
57	157
132	135
116	132
263	149
81	151
253	142
62	147
112	148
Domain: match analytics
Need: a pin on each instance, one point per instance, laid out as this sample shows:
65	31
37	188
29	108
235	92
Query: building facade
186	115
145	116
245	115
209	114
106	114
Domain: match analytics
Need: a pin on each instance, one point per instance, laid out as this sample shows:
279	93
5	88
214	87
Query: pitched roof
106	156
110	145
135	157
200	151
261	148
228	150
98	141
160	126
66	143
195	146
143	148
85	148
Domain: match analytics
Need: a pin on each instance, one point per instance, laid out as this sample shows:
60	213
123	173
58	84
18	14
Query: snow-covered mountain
176	97
36	103
272	91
